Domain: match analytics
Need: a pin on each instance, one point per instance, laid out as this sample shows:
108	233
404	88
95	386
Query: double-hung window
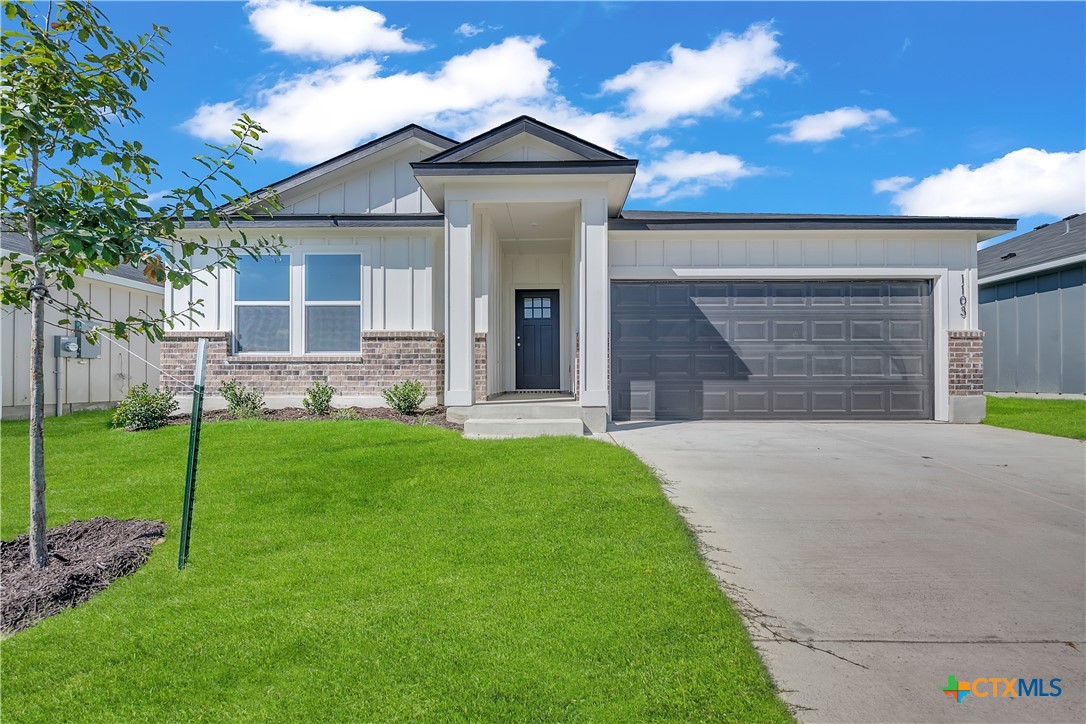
299	303
333	302
262	304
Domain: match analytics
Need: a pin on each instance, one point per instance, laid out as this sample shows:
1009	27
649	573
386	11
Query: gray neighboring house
78	384
1033	310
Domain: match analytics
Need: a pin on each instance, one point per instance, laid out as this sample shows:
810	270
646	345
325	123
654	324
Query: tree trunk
38	554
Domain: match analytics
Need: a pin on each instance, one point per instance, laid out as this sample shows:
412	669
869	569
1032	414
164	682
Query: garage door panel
719	350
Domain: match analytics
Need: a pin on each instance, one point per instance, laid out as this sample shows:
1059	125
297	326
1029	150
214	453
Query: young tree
75	184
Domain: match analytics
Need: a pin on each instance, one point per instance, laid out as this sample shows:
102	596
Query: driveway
897	554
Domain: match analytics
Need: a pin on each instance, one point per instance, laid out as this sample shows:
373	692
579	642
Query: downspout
56	376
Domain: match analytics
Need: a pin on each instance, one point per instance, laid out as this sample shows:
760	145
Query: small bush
318	398
344	414
241	402
406	397
144	408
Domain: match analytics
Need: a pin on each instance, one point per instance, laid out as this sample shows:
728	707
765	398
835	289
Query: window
537	308
333	302
299	303
262	305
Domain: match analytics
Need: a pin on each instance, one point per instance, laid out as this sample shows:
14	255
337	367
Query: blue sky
918	108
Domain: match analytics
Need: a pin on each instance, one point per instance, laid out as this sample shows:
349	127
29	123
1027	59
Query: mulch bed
84	558
433	416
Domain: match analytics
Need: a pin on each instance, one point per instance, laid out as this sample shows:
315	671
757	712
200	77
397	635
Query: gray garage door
742	349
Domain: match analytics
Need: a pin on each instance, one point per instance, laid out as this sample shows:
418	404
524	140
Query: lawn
1065	418
359	570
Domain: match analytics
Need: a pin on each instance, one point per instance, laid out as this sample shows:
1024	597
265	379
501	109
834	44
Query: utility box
76	347
65	346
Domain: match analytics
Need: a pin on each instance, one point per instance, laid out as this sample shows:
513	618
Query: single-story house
508	264
1033	310
75	383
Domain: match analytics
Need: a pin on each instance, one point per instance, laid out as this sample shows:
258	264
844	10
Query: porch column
594	303
459	307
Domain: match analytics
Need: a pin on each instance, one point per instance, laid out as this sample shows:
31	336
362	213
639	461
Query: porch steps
499	427
520	410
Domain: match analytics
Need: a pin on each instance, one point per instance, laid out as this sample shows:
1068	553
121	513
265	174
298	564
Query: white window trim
306	304
298	303
256	303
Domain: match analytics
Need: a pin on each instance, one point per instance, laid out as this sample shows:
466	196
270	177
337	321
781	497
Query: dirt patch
84	558
432	416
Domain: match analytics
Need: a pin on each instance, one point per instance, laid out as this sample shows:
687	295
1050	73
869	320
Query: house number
962	300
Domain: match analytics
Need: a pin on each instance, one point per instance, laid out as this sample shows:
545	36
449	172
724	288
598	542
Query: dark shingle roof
11	241
1048	243
667	220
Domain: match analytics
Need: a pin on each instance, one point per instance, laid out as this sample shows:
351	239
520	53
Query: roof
313	221
1046	246
531	126
630	220
412	130
12	241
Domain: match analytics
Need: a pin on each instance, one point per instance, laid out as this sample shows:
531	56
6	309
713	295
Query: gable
524	139
374	178
382	184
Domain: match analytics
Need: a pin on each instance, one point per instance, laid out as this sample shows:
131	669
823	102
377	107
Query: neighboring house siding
85	384
1035	333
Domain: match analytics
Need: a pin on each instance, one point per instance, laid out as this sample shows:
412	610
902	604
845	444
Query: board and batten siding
85	383
694	255
387	186
397	282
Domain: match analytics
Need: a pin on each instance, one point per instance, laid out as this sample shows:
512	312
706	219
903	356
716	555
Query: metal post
194	452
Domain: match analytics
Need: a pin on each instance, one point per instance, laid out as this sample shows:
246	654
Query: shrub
240	401
406	397
144	408
318	398
344	414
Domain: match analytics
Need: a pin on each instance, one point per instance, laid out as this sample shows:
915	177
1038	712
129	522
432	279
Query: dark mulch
84	558
433	416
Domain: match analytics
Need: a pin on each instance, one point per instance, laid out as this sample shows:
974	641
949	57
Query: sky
972	109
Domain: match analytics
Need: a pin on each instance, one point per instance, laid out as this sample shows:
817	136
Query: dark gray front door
537	340
751	349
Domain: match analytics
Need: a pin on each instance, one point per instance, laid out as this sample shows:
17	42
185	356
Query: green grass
1065	418
374	571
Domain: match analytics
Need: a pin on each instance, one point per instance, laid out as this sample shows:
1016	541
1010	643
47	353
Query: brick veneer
480	366
386	358
966	362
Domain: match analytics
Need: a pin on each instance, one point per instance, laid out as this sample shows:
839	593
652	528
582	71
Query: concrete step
502	428
516	411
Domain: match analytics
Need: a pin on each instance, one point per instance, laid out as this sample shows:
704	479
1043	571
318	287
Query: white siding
92	382
525	147
397	281
385	185
674	255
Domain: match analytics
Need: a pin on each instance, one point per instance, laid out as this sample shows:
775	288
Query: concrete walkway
897	553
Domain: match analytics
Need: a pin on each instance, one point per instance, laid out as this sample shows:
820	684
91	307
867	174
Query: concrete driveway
901	553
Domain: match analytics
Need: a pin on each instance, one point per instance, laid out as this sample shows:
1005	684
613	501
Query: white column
594	302
459	307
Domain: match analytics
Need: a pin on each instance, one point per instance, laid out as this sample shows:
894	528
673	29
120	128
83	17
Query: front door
537	340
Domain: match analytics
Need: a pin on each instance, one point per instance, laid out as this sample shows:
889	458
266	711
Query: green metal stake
194	452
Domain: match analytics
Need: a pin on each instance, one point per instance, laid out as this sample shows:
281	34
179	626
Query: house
1033	310
96	381
508	264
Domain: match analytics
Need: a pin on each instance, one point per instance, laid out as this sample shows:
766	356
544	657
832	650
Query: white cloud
829	125
1023	183
698	82
657	141
892	184
468	30
317	114
680	173
299	27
